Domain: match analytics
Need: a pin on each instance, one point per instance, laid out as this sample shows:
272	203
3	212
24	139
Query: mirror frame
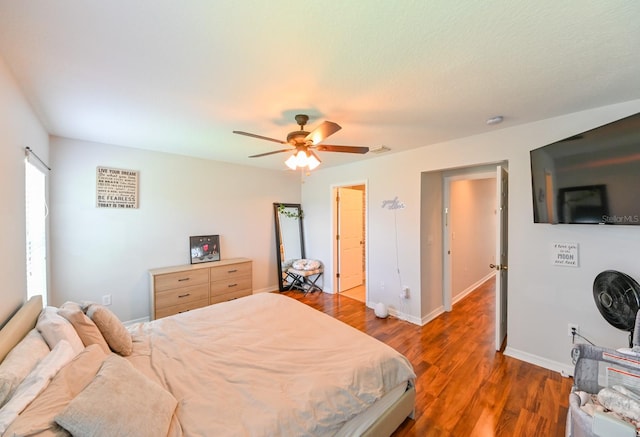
276	207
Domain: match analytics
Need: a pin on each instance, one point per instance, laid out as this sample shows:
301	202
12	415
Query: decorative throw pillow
114	332
119	401
39	416
84	326
306	264
20	361
35	382
54	328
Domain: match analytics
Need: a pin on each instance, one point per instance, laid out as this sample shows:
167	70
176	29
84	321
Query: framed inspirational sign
116	188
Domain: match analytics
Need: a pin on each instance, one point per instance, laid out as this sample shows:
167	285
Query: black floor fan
617	297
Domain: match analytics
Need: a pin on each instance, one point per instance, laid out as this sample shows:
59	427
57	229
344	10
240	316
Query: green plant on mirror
290	212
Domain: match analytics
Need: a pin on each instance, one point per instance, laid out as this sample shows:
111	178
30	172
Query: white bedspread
265	365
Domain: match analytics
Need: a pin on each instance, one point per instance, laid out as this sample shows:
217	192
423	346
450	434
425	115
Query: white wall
542	298
19	128
472	223
98	251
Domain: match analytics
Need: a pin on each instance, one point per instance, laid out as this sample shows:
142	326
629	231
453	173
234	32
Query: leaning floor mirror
289	239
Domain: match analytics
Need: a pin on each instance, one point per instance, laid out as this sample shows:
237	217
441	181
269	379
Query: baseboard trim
432	315
471	288
266	290
563	369
393	312
408	317
140	320
404	316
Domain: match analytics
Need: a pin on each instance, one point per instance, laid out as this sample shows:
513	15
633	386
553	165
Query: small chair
304	274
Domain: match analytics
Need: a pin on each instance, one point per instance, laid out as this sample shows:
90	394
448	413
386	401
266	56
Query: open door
350	237
502	187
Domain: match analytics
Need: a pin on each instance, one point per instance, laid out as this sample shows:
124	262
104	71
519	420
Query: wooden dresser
183	288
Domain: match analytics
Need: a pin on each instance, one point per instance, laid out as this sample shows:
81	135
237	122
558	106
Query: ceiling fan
306	143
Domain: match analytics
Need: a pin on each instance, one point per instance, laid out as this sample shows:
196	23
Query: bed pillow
35	382
119	401
20	361
84	326
114	332
54	328
39	416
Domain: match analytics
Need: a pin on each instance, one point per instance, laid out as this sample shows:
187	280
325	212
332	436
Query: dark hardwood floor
464	387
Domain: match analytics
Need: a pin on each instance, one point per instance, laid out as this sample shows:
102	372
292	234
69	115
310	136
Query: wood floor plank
464	387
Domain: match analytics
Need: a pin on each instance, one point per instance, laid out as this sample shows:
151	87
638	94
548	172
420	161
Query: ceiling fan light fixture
291	162
302	159
312	162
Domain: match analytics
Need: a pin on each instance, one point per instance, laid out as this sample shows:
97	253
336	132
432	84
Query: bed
261	365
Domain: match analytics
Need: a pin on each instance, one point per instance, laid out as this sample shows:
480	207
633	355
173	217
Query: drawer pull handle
184	295
233	285
183	279
232	271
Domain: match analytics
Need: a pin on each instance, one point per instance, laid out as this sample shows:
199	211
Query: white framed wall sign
116	188
564	254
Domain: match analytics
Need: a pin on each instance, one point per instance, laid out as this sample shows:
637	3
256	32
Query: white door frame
334	230
351	227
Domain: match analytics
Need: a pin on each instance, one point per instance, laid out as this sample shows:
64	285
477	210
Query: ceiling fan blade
271	153
323	131
343	149
239	132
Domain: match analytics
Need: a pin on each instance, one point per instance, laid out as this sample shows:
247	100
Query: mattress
269	365
360	423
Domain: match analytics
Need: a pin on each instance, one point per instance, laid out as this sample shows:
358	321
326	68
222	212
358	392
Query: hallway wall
472	233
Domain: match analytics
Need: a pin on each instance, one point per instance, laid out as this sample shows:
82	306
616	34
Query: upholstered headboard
19	325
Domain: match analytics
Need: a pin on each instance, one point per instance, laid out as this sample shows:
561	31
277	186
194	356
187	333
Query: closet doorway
349	248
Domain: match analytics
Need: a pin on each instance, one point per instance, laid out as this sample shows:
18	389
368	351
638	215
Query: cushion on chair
306	264
304	273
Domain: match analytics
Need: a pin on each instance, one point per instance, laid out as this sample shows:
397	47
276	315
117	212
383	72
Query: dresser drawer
230	285
181	295
228	296
230	271
181	308
181	279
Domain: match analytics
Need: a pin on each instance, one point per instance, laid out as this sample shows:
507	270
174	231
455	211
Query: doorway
469	232
349	212
436	243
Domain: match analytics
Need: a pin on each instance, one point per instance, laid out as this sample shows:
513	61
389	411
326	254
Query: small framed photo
204	248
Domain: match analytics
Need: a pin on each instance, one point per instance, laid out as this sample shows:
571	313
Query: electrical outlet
106	299
405	292
571	327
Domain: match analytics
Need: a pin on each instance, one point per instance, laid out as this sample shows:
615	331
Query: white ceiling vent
378	149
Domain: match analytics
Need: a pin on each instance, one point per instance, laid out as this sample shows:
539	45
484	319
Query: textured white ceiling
180	76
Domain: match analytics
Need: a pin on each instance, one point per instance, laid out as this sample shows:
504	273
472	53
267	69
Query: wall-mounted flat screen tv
589	178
